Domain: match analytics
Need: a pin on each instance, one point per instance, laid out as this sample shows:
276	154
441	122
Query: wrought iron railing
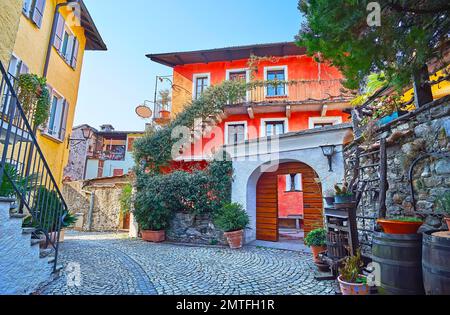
291	92
23	165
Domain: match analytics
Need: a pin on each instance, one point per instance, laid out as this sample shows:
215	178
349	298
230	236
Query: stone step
17	216
28	230
45	252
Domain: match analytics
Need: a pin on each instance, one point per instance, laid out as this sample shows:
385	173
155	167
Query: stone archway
267	200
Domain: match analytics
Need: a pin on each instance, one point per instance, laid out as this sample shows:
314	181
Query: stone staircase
24	266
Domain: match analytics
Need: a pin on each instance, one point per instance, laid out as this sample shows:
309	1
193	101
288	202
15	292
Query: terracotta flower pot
165	114
447	220
153	236
316	250
399	227
235	239
348	288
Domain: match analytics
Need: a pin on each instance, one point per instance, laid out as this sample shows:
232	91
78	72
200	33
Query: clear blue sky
113	83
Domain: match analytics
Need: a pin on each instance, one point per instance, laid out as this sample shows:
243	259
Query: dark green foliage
231	217
34	97
443	203
125	199
411	33
316	237
352	269
342	190
406	219
11	175
48	207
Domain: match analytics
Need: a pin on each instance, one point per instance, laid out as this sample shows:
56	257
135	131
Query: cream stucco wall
10	11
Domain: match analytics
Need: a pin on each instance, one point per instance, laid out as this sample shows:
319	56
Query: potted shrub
351	280
153	226
342	194
400	225
329	197
232	219
443	203
163	101
316	239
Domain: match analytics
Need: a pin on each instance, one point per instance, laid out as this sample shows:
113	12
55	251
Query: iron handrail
42	197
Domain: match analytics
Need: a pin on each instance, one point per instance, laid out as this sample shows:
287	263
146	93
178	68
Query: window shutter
26	5
298	182
288	182
76	46
38	12
62	132
130	144
57	41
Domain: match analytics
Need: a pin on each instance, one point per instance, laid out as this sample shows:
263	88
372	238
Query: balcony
275	96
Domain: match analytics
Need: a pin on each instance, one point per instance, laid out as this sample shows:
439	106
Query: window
56	126
274	128
294	182
241	75
65	42
34	10
323	124
236	132
276	74
319	122
16	67
201	83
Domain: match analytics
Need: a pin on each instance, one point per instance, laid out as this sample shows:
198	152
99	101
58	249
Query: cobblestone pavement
113	264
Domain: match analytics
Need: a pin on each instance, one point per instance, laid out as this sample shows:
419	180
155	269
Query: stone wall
10	11
426	130
189	228
106	215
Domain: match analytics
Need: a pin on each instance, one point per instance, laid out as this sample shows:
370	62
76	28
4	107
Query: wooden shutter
59	32
130	144
62	131
38	12
76	46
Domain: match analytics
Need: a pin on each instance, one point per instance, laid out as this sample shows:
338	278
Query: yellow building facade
51	40
9	23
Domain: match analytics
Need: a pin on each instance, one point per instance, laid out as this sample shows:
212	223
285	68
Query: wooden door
267	200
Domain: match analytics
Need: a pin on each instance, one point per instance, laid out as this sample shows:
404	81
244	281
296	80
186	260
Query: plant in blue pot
342	194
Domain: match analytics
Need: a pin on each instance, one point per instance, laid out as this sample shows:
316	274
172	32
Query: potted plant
316	239
400	225
443	203
329	197
351	280
232	219
163	101
342	194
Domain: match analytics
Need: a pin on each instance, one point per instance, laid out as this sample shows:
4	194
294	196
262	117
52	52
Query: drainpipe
91	208
52	35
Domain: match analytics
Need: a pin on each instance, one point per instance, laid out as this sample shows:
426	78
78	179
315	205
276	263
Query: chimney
106	128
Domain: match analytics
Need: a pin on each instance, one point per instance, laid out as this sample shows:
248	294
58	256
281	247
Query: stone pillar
134	229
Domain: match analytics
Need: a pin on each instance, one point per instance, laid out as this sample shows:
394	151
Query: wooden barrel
436	264
400	261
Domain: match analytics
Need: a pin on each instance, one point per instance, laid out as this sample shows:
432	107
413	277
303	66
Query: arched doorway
267	214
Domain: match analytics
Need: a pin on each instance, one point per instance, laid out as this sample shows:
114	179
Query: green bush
125	199
11	175
443	203
231	217
406	219
317	237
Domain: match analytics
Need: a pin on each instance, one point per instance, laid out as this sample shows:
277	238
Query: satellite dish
144	111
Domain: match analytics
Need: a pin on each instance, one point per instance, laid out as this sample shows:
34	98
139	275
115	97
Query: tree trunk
422	89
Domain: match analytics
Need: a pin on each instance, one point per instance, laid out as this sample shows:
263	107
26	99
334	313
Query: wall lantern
328	151
87	134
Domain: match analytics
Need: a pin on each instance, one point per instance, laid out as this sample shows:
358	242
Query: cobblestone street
113	264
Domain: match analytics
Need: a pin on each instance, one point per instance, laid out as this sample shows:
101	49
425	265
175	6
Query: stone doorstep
195	245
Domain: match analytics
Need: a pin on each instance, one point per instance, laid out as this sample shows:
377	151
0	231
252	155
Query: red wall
289	203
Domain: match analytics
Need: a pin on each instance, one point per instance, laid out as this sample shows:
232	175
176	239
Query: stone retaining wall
106	214
189	228
427	130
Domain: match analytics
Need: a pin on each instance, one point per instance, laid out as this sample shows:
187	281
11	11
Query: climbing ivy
34	97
